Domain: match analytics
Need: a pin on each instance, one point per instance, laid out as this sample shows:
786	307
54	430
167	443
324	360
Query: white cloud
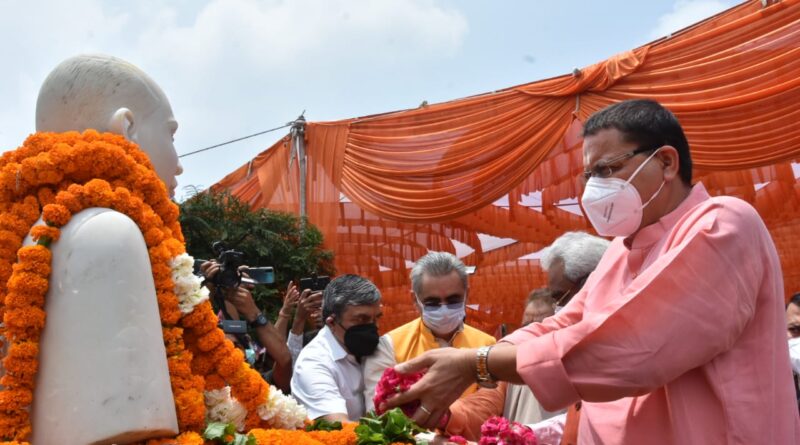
685	13
229	67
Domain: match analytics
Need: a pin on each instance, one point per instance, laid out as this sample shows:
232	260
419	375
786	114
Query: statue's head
111	95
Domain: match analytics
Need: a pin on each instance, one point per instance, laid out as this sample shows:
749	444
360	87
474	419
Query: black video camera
229	261
229	275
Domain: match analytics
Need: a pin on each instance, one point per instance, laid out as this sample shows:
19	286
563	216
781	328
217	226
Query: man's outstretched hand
450	372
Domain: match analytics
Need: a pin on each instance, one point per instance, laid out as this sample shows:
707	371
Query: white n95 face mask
613	205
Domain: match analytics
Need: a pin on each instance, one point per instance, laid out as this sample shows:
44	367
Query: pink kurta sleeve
682	310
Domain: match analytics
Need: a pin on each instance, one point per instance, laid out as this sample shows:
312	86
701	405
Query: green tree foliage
268	238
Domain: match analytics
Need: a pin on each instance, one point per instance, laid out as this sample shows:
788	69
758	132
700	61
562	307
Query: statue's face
154	132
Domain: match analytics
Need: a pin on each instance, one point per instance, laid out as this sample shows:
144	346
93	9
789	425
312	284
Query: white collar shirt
328	380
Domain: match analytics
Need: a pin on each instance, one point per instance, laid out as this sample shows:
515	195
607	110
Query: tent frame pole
298	134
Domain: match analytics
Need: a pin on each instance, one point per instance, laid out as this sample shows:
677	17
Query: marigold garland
56	176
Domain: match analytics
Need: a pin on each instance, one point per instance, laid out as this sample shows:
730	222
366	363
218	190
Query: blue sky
235	67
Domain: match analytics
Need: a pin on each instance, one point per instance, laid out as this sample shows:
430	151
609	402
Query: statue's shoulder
97	225
100	240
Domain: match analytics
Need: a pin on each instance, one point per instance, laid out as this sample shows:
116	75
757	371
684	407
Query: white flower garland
222	407
282	411
188	287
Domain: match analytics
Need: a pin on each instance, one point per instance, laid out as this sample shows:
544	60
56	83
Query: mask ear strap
641	166
654	194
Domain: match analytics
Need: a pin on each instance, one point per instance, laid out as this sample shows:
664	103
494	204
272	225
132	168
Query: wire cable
236	140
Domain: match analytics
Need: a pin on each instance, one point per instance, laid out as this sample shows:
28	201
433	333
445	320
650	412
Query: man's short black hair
645	123
795	300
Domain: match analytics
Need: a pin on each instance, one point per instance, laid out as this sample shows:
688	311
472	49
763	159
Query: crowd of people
672	332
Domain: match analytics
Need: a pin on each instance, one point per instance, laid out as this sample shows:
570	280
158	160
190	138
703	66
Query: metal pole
298	132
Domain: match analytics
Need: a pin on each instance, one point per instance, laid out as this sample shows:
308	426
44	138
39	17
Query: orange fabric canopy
496	174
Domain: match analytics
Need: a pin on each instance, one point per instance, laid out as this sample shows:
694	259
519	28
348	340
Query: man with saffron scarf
677	337
439	287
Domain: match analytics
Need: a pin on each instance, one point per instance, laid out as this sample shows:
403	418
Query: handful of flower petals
500	431
391	383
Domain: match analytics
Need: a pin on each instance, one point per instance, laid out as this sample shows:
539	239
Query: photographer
239	305
308	307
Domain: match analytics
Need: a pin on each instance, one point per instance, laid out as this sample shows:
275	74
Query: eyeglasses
608	168
437	306
563	296
572	290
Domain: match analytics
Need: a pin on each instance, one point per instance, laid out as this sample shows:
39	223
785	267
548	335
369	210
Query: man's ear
122	123
670	160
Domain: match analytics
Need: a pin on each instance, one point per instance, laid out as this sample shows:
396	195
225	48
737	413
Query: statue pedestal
103	375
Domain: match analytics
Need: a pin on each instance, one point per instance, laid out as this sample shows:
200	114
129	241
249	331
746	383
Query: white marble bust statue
103	375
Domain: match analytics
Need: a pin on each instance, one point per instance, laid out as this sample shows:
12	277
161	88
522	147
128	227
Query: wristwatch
484	377
260	321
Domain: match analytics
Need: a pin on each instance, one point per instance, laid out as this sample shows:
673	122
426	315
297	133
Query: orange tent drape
493	177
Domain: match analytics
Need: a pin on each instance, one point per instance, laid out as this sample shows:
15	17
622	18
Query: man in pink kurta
678	335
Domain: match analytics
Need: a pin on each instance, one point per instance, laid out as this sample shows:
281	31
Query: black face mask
361	340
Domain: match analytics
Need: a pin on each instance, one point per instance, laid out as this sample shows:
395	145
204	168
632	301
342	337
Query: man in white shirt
327	378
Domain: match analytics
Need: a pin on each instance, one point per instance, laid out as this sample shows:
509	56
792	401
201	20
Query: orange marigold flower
150	218
10	240
201	319
170	316
24	322
27	286
168	305
97	193
97	186
56	215
15	424
230	363
161	271
288	437
173	340
179	383
45	233
187	438
14	399
18	381
5	274
191	409
20	300
45	195
179	366
345	436
202	364
153	237
190	438
69	200
210	340
39	268
38	254
214	381
252	388
21	364
222	351
174	246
